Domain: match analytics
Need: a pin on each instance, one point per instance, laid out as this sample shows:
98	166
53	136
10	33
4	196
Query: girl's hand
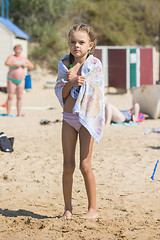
71	74
79	80
74	79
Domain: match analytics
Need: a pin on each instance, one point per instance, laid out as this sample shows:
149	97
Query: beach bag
28	82
141	117
6	144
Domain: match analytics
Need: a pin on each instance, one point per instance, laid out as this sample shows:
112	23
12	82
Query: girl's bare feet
92	213
67	214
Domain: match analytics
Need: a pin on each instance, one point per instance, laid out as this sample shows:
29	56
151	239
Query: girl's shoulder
94	59
63	58
64	61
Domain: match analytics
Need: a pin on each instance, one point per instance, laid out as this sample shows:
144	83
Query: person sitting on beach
16	77
114	115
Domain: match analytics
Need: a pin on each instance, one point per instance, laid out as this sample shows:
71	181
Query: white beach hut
10	35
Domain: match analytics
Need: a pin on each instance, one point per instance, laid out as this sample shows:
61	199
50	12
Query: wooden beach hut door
117	68
146	66
98	54
133	68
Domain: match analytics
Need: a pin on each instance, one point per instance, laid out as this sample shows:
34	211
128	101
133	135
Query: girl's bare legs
113	114
11	89
86	145
69	139
19	92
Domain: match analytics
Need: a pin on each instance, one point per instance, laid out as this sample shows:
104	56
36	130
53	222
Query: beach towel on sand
5	115
130	124
90	96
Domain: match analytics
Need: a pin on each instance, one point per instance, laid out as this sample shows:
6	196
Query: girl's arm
71	77
66	90
63	87
73	81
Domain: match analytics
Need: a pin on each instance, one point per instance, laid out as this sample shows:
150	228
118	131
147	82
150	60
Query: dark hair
86	28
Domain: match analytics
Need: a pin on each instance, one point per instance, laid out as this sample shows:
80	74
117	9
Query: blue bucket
28	83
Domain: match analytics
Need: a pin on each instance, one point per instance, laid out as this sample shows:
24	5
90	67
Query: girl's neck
79	60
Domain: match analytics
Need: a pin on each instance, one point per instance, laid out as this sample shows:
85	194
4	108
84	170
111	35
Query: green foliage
116	22
50	48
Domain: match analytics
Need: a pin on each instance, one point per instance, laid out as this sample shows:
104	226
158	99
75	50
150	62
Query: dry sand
31	198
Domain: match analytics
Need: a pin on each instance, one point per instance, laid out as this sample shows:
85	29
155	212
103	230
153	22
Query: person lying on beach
114	115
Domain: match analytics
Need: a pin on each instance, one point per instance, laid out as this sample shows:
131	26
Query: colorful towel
5	115
130	124
90	98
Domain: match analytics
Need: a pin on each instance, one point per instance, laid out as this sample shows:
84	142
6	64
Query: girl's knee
68	169
85	168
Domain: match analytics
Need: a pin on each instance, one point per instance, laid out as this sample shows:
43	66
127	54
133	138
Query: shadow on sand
155	148
22	212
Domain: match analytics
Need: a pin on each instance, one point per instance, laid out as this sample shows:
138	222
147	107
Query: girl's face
80	44
18	51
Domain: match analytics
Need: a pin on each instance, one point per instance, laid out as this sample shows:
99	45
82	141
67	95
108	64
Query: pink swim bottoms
73	120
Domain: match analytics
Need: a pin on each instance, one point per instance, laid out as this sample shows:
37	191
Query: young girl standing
80	90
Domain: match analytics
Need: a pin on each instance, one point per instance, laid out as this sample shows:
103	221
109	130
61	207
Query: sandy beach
31	199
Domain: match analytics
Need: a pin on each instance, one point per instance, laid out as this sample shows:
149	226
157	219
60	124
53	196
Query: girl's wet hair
86	28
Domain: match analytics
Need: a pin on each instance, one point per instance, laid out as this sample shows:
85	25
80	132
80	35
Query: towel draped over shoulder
90	96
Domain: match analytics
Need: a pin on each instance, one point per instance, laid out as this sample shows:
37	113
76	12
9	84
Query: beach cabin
127	67
10	35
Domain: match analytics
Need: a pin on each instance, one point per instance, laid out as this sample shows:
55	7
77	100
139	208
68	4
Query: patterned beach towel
90	98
